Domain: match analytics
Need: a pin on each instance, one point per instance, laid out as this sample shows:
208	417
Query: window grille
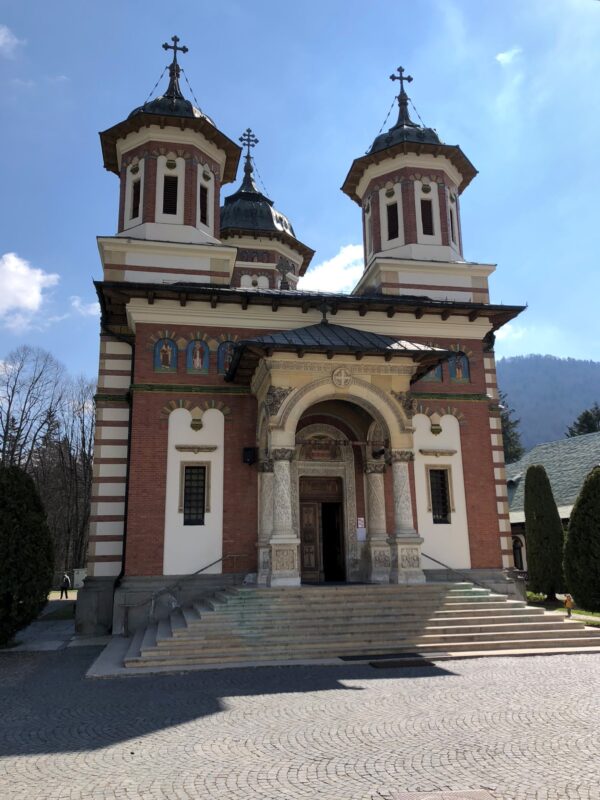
194	495
427	217
440	496
170	194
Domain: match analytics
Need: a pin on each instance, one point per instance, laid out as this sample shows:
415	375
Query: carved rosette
274	399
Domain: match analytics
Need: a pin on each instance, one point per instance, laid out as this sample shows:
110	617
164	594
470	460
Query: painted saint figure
165	355
197	356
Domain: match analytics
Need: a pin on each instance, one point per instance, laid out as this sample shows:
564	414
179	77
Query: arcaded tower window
204	205
392	221
427	217
170	194
136	189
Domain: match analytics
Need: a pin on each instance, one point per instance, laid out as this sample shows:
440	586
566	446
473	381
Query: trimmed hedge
582	547
544	535
26	552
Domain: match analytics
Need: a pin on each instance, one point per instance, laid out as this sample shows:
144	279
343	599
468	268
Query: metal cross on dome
248	139
400	77
175	47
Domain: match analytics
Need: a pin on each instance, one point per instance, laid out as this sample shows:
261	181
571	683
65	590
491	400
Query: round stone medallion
341	377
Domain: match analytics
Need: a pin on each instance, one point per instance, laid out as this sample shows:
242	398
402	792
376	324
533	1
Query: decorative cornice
193	448
437	453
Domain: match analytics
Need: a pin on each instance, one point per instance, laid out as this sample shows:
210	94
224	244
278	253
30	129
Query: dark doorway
334	567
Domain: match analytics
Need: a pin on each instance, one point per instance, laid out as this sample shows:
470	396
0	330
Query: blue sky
515	83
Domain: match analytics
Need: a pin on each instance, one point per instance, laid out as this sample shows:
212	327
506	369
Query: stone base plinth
284	563
379	561
264	565
405	554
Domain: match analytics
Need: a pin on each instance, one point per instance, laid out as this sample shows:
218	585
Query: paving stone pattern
516	728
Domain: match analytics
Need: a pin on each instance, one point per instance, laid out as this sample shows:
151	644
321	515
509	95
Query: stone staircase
258	625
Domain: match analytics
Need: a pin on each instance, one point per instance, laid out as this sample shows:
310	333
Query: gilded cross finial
248	139
175	47
400	77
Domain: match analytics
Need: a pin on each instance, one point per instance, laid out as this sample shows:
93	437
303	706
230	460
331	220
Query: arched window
458	367
165	356
224	354
197	356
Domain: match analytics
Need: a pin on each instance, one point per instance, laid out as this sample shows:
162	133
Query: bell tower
171	161
408	186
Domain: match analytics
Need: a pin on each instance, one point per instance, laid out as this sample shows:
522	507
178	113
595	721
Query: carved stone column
265	520
378	548
284	542
405	544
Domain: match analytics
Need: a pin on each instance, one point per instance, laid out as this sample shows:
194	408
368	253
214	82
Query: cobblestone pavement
522	728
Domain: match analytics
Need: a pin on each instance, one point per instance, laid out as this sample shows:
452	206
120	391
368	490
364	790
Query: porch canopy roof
330	340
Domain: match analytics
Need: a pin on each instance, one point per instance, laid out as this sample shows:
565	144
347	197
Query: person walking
569	604
65	585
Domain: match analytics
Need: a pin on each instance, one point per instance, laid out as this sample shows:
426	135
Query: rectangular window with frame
427	217
194	493
136	188
204	205
392	221
439	495
170	194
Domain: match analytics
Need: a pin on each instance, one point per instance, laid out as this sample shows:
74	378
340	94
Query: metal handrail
465	577
175	585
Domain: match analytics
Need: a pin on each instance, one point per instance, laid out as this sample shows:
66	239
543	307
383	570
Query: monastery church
249	432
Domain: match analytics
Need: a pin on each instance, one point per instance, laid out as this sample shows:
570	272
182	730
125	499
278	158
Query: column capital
401	455
282	453
374	467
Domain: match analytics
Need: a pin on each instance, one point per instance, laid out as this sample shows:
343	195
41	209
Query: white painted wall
190	547
447	543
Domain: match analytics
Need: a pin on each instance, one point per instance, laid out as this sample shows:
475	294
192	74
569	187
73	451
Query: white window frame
433	195
179	173
210	185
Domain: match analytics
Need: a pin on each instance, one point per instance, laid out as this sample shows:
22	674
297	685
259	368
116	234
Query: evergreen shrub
544	535
26	553
582	546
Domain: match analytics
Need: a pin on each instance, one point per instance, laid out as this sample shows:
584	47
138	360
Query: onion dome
249	212
171	109
406	137
405	130
249	209
172	102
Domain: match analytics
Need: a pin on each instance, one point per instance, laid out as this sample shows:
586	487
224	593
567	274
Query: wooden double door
322	553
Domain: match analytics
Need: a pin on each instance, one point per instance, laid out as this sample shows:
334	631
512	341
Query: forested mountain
548	393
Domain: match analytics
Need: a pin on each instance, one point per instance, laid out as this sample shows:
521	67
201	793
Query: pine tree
587	422
511	435
582	546
544	534
26	556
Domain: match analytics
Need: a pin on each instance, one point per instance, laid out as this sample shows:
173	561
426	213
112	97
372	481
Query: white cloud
508	56
23	83
8	42
21	291
85	309
338	274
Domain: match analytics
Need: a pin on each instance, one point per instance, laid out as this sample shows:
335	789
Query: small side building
567	463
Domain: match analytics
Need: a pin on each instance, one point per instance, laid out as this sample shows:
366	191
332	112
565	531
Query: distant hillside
548	393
